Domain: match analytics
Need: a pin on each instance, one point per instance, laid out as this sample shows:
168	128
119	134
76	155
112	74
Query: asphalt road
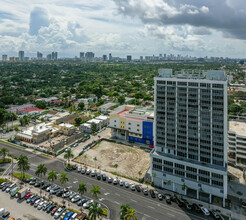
112	196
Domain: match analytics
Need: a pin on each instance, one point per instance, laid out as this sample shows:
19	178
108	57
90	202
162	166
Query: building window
138	125
137	129
129	123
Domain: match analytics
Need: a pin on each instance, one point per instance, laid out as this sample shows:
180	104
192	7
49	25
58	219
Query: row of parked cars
167	197
62	192
42	204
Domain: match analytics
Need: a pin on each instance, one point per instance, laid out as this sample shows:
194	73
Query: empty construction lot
113	157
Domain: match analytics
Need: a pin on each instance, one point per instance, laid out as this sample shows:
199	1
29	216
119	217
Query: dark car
138	188
179	202
29	180
47	205
196	207
30	199
187	205
152	193
37	184
45	186
50	208
98	176
174	198
6	186
74	167
55	190
168	198
104	177
59	193
33	181
82	201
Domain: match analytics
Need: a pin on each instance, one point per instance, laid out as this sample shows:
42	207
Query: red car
27	196
53	211
84	140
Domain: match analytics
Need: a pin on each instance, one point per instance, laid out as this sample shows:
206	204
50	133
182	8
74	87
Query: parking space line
151	207
116	202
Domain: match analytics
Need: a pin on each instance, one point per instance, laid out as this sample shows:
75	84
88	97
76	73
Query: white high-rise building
190	133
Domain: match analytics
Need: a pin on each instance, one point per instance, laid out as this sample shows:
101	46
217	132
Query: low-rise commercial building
133	124
237	143
106	107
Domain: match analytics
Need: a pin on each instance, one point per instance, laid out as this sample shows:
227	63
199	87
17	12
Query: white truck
2	211
21	193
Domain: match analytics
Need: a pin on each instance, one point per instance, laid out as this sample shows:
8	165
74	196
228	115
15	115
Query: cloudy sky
121	27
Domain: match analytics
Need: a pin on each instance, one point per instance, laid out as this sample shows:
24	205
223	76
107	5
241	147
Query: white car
74	216
93	173
205	211
79	169
75	199
87	204
115	181
121	183
109	179
37	202
132	186
40	205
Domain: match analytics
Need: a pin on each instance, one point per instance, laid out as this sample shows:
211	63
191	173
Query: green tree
78	121
81	105
52	175
4	152
41	104
71	109
93	127
130	214
68	155
234	109
41	170
95	191
23	165
94	211
81	190
121	99
63	179
123	210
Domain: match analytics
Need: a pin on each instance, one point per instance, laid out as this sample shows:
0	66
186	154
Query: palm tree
81	190
94	211
23	165
4	152
68	155
63	179
123	210
130	214
95	191
41	170
52	175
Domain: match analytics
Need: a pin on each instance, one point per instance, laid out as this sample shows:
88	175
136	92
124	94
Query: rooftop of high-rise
218	75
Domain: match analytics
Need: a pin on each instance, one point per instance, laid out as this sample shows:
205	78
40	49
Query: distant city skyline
136	28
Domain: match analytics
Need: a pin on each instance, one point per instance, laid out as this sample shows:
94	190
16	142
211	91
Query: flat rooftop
238	127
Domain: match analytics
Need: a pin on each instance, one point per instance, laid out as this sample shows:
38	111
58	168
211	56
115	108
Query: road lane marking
151	207
116	202
107	193
171	215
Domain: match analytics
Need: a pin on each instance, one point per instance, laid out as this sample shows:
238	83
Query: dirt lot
112	157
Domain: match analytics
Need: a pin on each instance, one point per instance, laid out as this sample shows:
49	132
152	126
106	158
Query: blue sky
122	27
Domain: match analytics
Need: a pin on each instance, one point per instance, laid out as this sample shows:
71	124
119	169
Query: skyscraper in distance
190	155
129	58
4	57
21	55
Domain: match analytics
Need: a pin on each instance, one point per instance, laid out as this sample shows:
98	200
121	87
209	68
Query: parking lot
20	209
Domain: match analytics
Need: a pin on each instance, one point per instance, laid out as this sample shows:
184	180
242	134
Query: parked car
104	177
174	198
34	200
33	181
88	171
6	214
73	194
55	190
98	176
110	180
82	201
205	211
12	186
179	202
121	183
79	169
132	187
5	186
93	173
64	214
83	170
196	207
115	181
2	184
29	180
50	208
168	198
159	195
53	211
30	199
145	191
45	186
59	212
215	214
66	194
74	216
38	202
47	205
152	193
138	188
40	205
74	167
75	199
27	196
187	205
68	216
126	184
87	204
